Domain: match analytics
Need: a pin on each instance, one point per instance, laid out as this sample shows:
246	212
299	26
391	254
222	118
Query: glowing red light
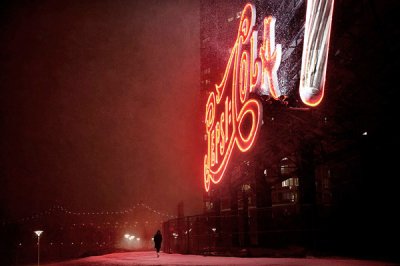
229	106
253	71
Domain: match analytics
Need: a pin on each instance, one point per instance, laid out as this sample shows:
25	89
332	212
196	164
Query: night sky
100	106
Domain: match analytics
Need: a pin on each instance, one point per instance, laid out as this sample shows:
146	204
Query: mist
100	106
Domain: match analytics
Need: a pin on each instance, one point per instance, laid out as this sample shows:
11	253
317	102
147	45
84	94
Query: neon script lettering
232	118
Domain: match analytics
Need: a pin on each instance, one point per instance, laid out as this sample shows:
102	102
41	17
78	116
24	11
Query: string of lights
58	208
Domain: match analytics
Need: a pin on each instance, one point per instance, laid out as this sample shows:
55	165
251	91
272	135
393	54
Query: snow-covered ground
150	258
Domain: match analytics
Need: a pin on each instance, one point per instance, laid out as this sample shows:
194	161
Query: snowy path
150	258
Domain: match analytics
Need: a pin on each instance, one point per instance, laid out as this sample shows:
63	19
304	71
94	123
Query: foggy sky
100	106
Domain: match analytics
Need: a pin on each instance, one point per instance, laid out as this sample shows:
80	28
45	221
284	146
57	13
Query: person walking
157	242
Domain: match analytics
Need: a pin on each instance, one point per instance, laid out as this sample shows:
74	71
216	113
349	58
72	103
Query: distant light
131	237
126	235
38	232
365	133
138	239
214	229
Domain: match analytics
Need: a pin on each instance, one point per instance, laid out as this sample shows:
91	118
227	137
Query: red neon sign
229	106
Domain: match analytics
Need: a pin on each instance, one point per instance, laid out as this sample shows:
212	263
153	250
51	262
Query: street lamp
38	233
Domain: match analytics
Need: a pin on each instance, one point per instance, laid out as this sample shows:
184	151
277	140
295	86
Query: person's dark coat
157	240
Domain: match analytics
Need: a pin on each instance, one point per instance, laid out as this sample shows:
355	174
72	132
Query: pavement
150	258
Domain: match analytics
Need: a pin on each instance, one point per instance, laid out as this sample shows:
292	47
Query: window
291	182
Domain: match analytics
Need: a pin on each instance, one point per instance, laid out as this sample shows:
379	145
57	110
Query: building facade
310	180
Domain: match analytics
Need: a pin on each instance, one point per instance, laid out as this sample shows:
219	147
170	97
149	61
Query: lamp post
38	233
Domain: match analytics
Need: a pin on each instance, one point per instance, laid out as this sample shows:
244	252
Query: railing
288	225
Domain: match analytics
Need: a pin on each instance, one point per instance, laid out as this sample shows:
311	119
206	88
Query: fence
228	233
